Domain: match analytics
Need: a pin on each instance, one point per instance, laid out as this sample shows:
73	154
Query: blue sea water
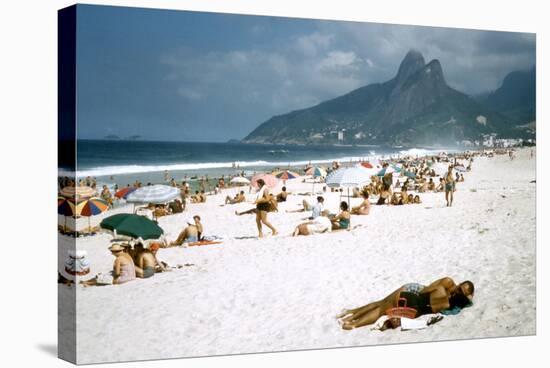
149	160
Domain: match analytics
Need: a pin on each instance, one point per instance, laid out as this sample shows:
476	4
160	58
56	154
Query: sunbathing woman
364	207
342	220
439	295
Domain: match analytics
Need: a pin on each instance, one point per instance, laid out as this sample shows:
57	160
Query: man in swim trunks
145	262
449	186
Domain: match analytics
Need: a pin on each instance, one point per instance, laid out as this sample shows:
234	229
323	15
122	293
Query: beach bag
401	310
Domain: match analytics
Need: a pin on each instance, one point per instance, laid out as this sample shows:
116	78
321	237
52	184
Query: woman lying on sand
364	207
439	295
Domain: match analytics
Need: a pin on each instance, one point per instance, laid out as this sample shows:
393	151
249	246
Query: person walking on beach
449	186
263	206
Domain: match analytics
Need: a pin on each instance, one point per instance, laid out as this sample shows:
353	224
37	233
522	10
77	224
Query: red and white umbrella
270	180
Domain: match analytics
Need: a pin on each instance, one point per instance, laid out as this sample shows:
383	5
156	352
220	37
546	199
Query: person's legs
259	223
263	217
447	197
451	202
181	238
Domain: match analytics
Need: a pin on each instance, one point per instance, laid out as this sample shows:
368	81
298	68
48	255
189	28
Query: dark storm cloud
208	77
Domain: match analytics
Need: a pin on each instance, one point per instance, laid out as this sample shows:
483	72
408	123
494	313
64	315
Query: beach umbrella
240	180
134	226
91	207
270	180
388	170
410	174
348	177
77	193
460	168
367	165
156	194
124	192
286	174
316	172
65	207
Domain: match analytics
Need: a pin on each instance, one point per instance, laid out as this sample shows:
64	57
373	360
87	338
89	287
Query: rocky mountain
415	107
516	97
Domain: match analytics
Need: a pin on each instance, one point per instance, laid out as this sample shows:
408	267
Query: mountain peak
412	63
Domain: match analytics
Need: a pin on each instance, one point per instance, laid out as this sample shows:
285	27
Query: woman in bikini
439	295
263	206
342	220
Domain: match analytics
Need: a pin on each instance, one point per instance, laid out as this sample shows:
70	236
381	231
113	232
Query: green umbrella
135	226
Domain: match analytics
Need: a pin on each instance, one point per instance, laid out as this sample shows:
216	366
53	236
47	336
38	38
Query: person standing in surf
263	206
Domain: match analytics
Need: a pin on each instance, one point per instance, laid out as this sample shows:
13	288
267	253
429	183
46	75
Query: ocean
123	162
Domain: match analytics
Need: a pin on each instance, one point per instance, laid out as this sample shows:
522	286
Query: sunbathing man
239	197
145	262
316	210
439	295
281	197
449	187
318	225
192	233
364	207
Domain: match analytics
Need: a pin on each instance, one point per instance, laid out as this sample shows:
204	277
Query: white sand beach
283	293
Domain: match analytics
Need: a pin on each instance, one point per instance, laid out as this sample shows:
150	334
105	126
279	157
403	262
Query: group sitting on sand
130	264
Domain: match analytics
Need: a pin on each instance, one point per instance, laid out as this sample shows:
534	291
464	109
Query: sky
192	76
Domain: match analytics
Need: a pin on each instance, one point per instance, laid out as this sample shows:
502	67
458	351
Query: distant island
115	137
415	107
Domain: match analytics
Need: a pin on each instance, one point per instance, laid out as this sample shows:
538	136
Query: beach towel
207	240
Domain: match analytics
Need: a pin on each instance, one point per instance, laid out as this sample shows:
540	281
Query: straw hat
76	266
117	247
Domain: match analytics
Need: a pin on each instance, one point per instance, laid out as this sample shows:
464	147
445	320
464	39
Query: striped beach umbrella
348	177
134	226
270	180
65	207
286	174
91	207
156	194
316	172
124	192
77	193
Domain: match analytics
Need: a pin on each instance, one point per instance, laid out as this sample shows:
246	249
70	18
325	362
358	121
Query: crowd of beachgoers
205	280
396	181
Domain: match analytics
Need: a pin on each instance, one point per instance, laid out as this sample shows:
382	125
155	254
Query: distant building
341	136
